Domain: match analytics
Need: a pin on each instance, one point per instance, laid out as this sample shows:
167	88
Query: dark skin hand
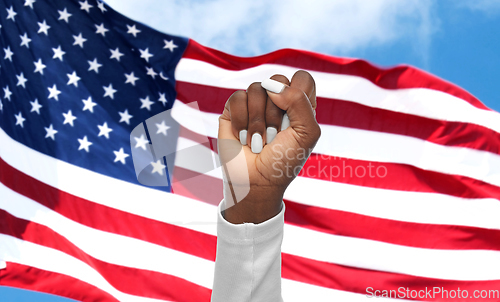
267	174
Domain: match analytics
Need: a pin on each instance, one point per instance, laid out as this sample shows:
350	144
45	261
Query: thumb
298	108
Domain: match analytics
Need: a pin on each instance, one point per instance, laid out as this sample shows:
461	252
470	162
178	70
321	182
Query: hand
256	178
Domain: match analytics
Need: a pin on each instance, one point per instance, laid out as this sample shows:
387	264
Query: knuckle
317	131
238	95
255	86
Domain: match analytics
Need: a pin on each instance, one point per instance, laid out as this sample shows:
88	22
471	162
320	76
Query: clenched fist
275	123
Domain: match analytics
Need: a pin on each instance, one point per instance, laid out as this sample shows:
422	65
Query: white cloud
260	26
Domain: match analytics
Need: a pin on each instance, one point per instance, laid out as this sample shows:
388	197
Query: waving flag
401	194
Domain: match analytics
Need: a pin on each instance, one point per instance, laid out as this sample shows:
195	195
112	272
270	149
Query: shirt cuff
249	231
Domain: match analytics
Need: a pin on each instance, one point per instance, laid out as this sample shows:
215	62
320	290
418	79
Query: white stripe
472	265
415	207
416	101
298	291
44	258
393	148
108	191
380	147
109	247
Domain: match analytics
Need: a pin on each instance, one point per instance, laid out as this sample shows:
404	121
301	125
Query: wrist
259	205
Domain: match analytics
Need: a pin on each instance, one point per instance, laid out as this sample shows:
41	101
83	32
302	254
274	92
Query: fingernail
272	85
256	143
243	137
285	123
270	134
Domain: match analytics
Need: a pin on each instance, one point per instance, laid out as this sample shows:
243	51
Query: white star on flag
170	45
8	53
145	54
132	30
162	128
64	15
131	78
94	65
101	6
104	130
146	103
120	156
158	167
29	3
7	93
101	29
25	40
69	118
141	142
39	66
109	91
79	40
51	132
116	54
84	144
151	72
163	99
21	80
73	79
89	105
35	106
85	6
125	117
11	14
58	53
53	92
44	28
20	120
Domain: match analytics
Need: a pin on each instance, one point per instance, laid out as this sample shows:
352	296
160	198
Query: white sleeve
248	261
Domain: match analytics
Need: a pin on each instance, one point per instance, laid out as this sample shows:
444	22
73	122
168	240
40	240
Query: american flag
401	193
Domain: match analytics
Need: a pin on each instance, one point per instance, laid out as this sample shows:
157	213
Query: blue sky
455	40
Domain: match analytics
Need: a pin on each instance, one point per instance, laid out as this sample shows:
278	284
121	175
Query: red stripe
353	115
197	186
393	176
391	78
123	223
125	279
31	278
357	280
422	235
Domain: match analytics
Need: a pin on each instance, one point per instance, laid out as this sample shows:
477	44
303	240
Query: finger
238	113
257	100
298	108
274	114
305	82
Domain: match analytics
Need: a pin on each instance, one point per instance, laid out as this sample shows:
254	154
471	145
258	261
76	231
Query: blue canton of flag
77	77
